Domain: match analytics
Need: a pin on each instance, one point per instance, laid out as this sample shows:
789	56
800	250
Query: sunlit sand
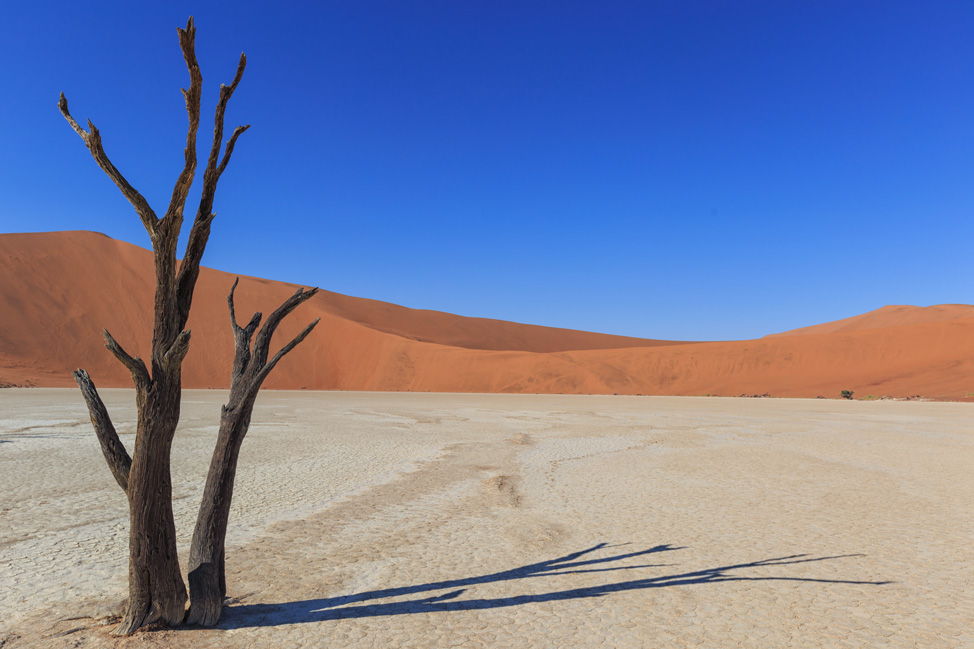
434	520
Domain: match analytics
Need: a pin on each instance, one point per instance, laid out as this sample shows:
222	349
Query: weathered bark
156	588
115	454
207	574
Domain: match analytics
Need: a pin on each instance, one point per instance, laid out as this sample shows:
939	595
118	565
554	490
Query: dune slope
894	315
60	289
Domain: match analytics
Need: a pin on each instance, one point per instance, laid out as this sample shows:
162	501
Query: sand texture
430	520
66	286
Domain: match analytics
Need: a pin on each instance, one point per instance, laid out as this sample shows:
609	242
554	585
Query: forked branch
241	335
284	351
206	201
250	366
254	321
263	341
199	234
115	454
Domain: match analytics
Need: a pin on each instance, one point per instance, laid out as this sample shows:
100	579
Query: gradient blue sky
684	170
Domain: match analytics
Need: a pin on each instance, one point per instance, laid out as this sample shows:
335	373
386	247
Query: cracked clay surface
430	520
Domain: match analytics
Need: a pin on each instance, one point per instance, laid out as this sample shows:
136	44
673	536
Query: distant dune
887	316
59	289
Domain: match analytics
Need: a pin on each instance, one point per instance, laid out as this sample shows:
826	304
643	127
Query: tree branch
241	337
199	234
63	105
237	132
179	348
263	342
254	320
283	352
187	43
115	454
250	367
211	167
233	311
92	140
135	365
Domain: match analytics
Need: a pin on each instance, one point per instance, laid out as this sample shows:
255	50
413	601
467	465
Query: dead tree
156	588
207	575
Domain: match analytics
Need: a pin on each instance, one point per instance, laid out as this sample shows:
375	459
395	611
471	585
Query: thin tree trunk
207	573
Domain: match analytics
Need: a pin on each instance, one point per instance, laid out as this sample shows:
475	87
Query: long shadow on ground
334	608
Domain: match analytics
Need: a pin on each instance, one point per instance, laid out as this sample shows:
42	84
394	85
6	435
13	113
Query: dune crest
894	315
60	289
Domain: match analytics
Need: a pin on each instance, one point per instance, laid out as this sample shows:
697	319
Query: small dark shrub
846	394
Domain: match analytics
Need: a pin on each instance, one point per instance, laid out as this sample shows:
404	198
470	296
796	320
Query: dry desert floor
434	520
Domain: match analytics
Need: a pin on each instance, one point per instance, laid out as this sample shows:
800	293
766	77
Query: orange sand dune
60	289
472	333
894	315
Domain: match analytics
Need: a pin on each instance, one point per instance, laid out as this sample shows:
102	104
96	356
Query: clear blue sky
685	170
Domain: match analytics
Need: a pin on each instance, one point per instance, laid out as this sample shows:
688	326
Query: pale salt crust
428	520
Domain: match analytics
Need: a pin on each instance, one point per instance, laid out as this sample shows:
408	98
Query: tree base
206	596
141	614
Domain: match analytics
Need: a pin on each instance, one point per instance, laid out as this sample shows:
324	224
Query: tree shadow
335	608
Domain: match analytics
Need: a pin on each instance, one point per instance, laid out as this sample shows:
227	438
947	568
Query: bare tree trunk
156	588
207	573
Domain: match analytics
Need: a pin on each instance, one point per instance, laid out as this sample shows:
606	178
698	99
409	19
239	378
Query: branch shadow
336	608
